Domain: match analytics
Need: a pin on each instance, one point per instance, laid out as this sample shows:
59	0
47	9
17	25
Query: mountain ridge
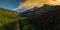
42	9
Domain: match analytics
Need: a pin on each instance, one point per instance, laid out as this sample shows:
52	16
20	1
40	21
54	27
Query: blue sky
10	4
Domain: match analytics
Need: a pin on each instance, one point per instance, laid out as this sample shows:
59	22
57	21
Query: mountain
43	18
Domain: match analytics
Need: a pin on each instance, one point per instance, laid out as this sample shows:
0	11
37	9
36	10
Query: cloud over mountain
28	4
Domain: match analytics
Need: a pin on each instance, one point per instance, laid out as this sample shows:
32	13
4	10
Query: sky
10	4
